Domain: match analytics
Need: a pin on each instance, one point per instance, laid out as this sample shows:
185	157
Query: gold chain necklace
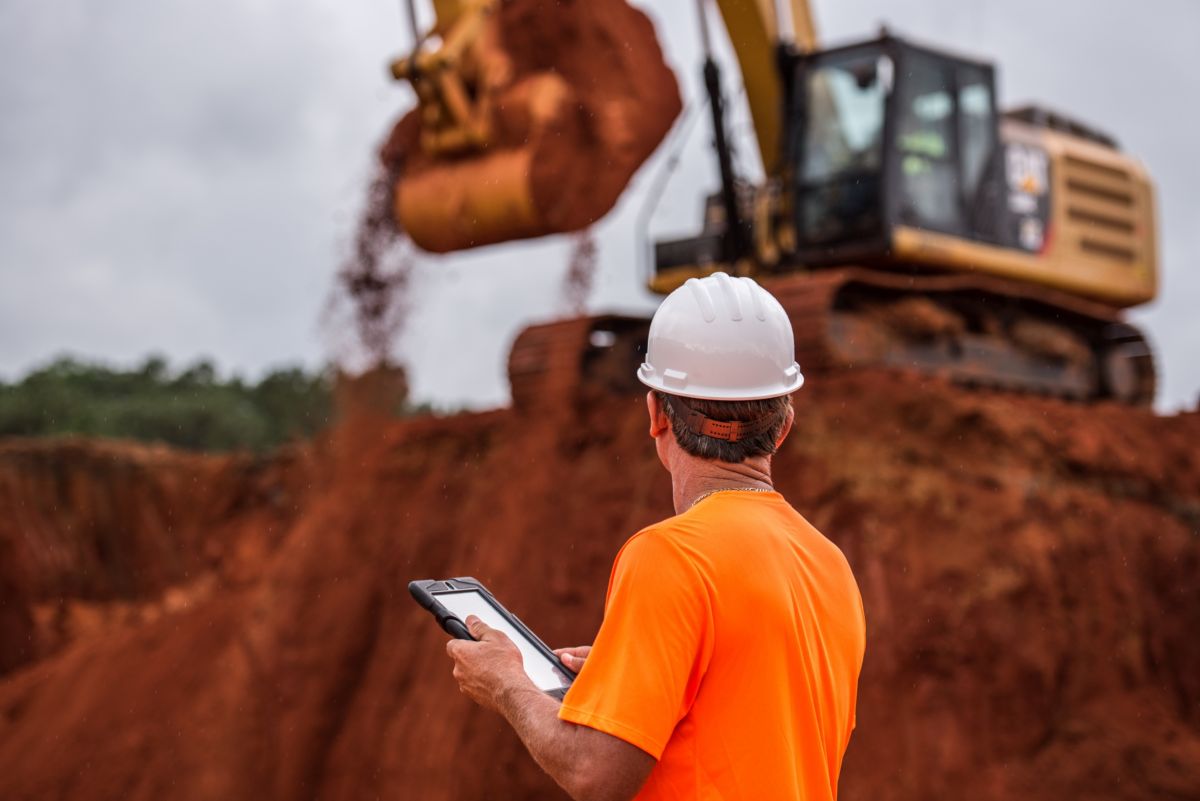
731	489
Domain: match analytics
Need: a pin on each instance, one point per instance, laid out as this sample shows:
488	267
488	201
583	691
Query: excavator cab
888	133
877	134
894	156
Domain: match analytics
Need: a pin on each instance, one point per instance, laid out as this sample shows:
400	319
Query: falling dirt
581	272
585	99
373	280
222	627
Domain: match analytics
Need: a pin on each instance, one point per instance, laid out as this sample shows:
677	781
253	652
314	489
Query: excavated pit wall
1028	569
95	532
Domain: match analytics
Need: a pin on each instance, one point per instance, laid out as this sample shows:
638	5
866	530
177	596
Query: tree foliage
191	409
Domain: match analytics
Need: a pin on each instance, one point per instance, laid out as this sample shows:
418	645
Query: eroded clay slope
1028	569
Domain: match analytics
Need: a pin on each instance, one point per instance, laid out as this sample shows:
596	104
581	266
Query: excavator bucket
532	117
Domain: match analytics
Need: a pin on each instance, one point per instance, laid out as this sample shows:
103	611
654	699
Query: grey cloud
183	176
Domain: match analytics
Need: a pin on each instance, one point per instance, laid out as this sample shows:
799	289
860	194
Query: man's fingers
479	630
573	657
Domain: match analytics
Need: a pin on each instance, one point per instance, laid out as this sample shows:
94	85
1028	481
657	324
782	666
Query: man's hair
761	444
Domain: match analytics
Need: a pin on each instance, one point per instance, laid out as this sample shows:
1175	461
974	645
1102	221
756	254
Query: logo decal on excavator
1027	171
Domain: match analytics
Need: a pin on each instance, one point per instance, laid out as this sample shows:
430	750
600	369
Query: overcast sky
183	177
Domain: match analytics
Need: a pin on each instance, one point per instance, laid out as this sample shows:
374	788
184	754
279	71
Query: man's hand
573	657
487	668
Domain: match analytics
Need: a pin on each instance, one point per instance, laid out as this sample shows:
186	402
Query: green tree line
191	408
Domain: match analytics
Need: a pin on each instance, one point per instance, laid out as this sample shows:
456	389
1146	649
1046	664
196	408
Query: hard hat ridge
707	309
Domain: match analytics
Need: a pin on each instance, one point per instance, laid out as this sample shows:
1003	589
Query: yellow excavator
904	220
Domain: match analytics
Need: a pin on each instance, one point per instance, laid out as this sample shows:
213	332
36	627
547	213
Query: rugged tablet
452	600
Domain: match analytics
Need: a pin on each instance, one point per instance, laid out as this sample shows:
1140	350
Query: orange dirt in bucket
587	100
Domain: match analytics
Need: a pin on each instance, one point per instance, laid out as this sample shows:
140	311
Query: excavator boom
757	30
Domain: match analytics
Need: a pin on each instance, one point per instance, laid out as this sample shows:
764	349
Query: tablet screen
544	673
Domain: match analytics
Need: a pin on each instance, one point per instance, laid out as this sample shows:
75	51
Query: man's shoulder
656	537
655	564
662	544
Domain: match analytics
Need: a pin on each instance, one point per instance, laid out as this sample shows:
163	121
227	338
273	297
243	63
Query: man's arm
589	764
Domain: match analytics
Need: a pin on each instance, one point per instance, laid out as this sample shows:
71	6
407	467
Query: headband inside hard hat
728	430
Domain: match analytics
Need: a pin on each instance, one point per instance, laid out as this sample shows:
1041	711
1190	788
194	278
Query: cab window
841	149
925	141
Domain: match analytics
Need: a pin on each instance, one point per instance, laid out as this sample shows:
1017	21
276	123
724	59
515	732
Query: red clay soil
623	99
98	533
1028	568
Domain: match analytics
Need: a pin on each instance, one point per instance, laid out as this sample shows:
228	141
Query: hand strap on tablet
728	430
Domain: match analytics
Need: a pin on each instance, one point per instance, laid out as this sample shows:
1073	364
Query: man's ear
658	419
787	425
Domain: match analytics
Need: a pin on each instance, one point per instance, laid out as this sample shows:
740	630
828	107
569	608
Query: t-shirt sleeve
653	647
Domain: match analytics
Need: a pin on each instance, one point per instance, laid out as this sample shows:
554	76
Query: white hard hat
721	338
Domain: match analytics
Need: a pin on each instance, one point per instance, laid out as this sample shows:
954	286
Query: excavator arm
764	34
757	29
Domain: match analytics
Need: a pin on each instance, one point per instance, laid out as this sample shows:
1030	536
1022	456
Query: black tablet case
425	593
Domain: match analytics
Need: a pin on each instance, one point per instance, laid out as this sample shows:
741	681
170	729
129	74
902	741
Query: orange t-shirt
732	640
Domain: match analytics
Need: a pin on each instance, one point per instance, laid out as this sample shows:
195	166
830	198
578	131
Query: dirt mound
1028	569
99	534
578	96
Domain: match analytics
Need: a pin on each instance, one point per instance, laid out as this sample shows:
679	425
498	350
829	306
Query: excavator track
560	360
972	330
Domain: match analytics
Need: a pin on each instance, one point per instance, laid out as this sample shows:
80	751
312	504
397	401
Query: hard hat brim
652	379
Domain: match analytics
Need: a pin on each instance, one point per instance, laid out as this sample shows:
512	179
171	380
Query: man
727	663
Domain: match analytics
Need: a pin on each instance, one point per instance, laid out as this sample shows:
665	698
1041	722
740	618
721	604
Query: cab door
944	145
838	152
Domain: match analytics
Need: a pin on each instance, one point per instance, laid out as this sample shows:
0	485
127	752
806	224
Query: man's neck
692	478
